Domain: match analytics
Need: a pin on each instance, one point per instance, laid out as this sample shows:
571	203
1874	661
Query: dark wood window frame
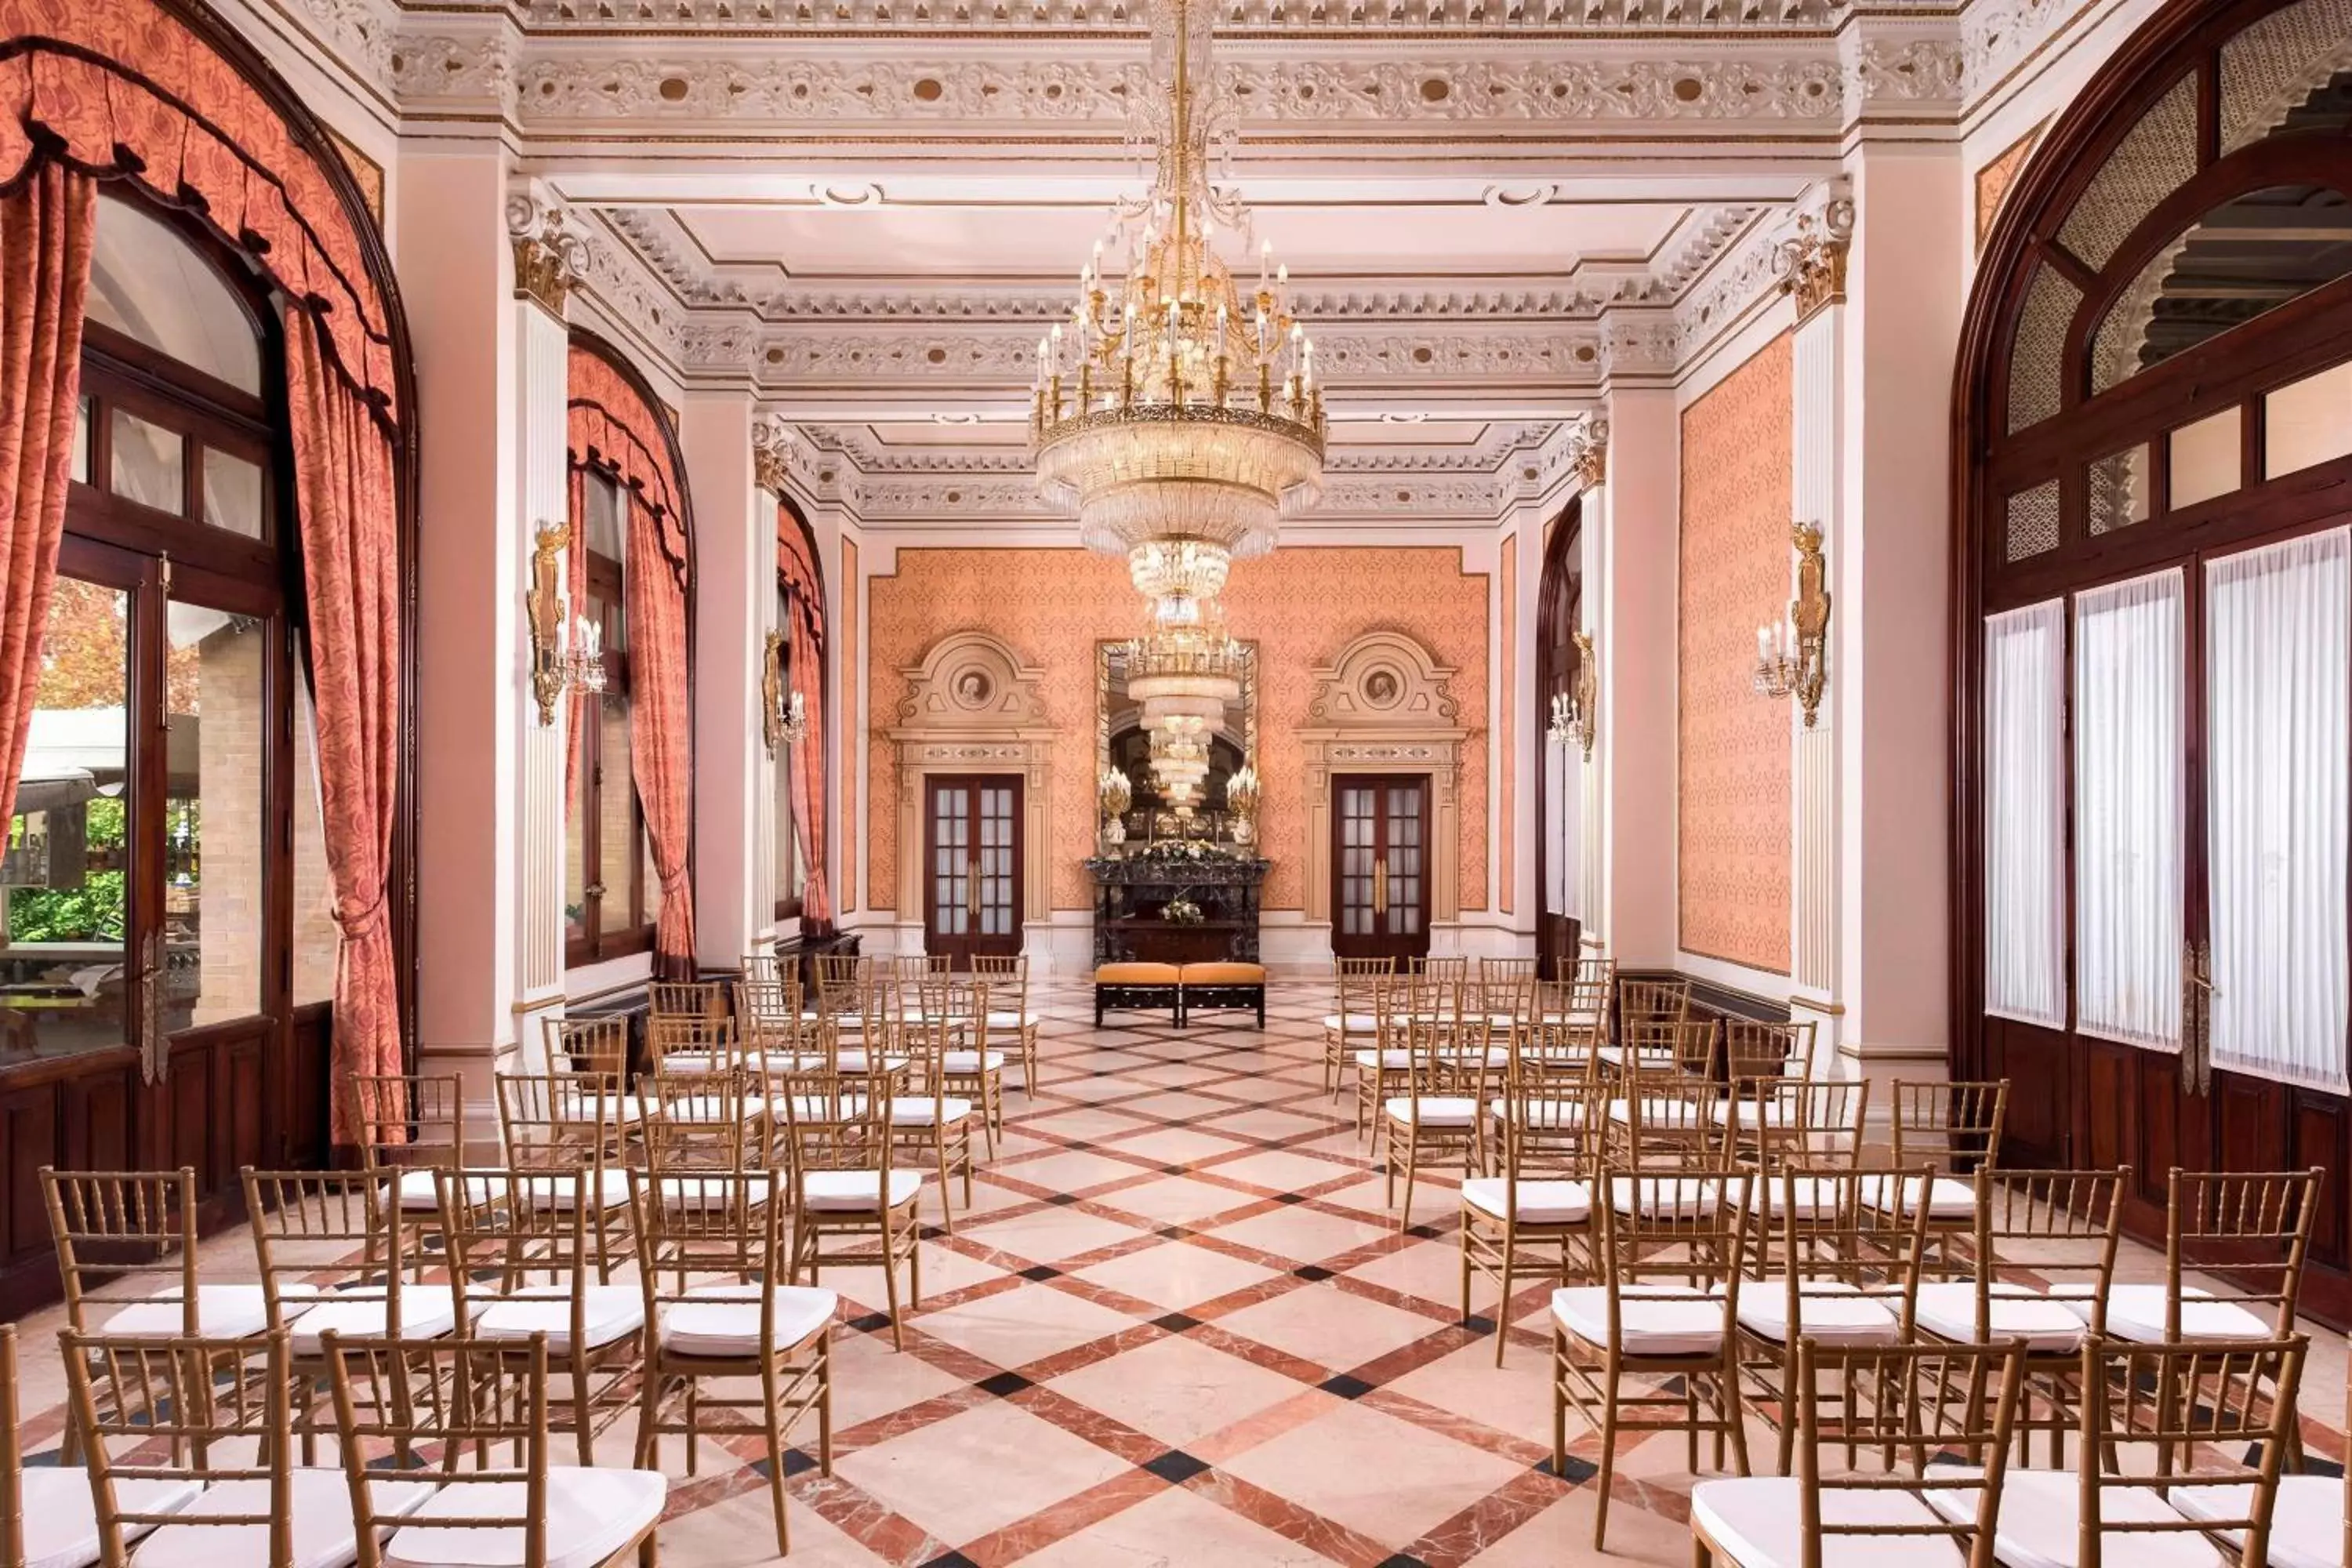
1559	612
585	942
788	900
2075	1099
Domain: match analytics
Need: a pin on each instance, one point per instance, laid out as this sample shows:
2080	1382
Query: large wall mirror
1121	744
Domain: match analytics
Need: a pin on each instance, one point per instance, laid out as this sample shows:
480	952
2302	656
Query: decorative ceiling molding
1997	36
1125	19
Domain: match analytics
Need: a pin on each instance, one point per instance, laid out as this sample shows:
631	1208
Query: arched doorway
2153	743
1559	614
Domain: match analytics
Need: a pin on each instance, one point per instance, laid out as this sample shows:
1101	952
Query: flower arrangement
1181	852
1182	910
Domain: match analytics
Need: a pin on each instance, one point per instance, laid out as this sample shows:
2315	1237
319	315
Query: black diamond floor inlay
1175	1467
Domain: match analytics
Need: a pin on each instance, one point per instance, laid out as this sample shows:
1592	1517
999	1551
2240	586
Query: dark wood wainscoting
249	1093
2097	1104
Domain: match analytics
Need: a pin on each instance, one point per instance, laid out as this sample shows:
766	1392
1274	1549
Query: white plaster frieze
1998	34
1126	18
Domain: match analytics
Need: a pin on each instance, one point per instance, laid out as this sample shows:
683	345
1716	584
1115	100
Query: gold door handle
971	889
1380	887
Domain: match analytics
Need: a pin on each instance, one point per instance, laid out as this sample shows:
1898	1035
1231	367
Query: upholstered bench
1215	987
1142	987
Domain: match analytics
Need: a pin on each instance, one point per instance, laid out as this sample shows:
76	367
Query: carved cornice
1995	36
1370	19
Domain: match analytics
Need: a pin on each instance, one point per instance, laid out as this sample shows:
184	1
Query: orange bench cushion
1135	974
1223	974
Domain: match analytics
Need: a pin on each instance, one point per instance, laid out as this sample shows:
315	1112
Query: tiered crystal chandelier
1175	416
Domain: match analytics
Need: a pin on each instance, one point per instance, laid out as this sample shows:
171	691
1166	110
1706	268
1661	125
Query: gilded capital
768	469
1811	262
548	256
1588	454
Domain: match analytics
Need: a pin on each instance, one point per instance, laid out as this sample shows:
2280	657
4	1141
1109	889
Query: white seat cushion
609	1312
1948	1310
700	1193
966	1063
697	1061
854	1060
1656	1319
427	1313
421	1189
2040	1524
1946	1198
855	1192
724	1319
1662	1114
589	1515
2135	1312
61	1516
922	1111
1354	1022
1540	1203
1756	1522
1671	1196
1434	1110
704	1109
607	1189
1010	1020
2306	1522
1816	1197
223	1313
1833	1314
325	1535
1543	1113
1392	1061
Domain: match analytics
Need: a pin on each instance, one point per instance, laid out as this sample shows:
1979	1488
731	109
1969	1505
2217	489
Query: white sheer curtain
2025	814
2127	810
2279	695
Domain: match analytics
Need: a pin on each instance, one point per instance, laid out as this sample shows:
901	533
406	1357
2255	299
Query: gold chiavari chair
521	1268
2250	1230
1819	1268
972	1068
1955	1126
410	1127
687	999
2152	1414
2062	1229
845	1188
692	1043
143	1224
716	1338
766	969
48	1515
567	1133
314	1228
1534	1220
773	1026
1591	985
1443	987
1647	1001
1883	1513
593	1045
926	1120
714	1117
1561	1034
842	979
1354	1022
211	1398
1497	1013
1010	1021
1662	1107
1772	1123
530	1512
1759	1051
1431	1125
1384	1067
1664	1314
2311	1523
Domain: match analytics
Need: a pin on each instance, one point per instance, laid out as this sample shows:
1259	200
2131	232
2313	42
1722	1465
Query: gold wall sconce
1792	659
784	714
1574	712
567	653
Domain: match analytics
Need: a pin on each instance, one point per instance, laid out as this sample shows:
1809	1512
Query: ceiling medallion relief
1385	703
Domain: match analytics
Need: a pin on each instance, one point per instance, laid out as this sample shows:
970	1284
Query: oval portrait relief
1381	688
972	688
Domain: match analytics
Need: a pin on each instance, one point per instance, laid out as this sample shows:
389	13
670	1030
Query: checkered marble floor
1180	1326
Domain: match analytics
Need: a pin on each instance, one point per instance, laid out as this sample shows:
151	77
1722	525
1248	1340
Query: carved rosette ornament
1811	262
548	258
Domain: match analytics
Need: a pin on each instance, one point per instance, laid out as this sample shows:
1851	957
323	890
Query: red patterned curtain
46	228
806	633
351	556
661	751
194	134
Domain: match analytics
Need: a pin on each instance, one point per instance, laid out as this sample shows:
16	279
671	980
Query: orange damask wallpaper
1506	728
850	694
1733	758
1299	605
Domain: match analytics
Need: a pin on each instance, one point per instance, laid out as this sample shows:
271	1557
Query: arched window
2153	791
800	617
610	895
1560	613
151	889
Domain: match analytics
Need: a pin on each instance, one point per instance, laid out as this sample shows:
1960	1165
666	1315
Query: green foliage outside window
98	910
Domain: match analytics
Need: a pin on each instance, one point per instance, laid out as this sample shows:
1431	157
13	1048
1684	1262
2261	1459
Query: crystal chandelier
1175	415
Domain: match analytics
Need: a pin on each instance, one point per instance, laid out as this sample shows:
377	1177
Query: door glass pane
149	283
315	940
213	809
578	769
64	911
233	493
2307	421
81	440
147	463
2204	459
616	800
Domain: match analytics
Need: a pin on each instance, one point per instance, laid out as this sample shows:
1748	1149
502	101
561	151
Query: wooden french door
971	854
1380	866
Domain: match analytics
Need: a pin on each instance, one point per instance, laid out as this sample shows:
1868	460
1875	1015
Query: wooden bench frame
1230	997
